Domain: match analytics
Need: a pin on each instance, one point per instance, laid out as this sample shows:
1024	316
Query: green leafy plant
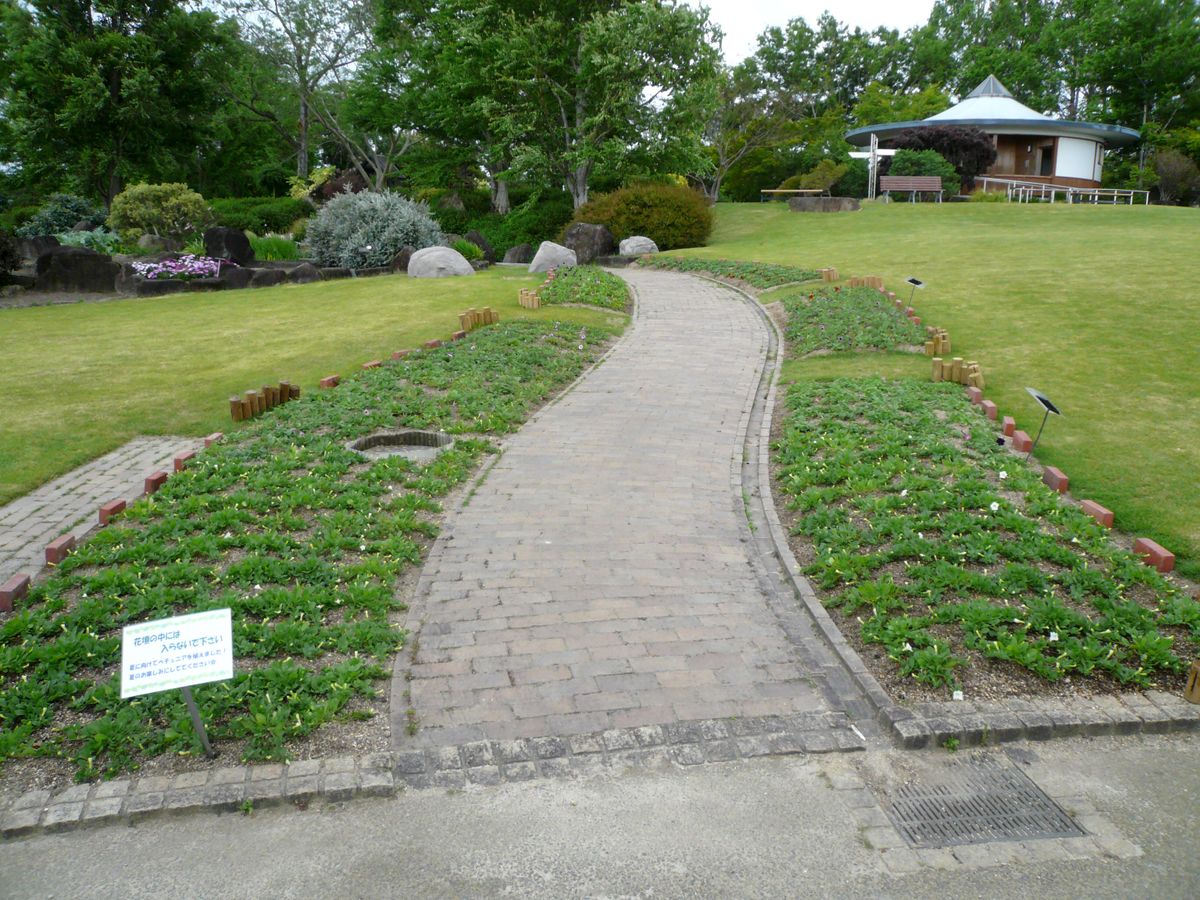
274	246
62	212
469	250
99	239
849	319
368	229
588	285
172	210
670	215
759	275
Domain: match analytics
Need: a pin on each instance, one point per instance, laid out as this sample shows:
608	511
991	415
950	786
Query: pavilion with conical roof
1029	146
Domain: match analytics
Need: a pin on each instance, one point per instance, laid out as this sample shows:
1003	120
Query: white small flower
957	695
258	587
1053	636
921	535
908	646
995	507
362	546
904	493
1003	474
581	346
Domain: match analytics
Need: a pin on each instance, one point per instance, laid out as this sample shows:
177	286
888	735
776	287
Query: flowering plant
185	268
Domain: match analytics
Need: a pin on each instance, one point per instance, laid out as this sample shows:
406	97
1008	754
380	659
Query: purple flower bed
185	268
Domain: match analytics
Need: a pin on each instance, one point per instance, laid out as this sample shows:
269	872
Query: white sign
176	652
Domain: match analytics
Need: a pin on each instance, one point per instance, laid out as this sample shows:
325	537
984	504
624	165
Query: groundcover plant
302	538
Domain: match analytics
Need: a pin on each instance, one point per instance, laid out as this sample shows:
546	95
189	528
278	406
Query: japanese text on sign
176	652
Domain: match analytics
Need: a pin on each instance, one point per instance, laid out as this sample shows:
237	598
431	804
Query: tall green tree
104	90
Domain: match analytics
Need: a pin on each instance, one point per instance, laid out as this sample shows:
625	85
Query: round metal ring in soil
419	446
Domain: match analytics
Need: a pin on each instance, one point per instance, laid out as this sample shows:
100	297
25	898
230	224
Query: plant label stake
178	653
916	283
1049	407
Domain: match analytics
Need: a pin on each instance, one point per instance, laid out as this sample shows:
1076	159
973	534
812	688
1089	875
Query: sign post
178	653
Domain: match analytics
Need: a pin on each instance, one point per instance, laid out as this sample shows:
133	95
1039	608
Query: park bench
914	184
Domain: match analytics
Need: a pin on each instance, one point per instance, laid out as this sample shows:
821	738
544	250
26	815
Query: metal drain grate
976	801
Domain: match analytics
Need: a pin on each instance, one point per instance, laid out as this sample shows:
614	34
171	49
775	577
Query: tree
880	104
969	150
314	43
104	89
748	117
1178	176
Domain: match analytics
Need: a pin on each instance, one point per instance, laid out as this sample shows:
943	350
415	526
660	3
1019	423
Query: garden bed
949	565
304	540
836	319
755	275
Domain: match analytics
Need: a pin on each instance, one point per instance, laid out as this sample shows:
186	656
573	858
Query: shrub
670	216
469	250
979	195
16	216
824	175
99	239
925	162
1178	176
62	212
854	182
274	246
368	229
259	214
299	229
969	150
172	210
10	259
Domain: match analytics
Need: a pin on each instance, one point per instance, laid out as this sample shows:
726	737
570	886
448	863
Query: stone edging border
485	763
970	723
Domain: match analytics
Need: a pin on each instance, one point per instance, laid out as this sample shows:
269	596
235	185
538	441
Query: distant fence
1028	191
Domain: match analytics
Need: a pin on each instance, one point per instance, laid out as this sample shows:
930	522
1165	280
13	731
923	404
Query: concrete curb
335	780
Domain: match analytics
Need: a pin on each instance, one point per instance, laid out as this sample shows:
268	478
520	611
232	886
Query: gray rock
438	262
76	269
304	273
159	243
481	242
267	277
522	253
823	204
371	271
400	260
637	245
589	242
550	256
32	248
228	243
235	277
331	272
82	225
155	287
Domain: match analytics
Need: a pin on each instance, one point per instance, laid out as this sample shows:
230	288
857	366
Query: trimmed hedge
260	214
670	215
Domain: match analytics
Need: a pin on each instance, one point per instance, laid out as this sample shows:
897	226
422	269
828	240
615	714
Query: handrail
1027	191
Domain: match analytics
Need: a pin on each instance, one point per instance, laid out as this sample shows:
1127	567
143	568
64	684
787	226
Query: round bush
926	162
363	230
262	215
671	216
62	212
168	210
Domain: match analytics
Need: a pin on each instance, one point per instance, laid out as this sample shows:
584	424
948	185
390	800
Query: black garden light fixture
916	283
1048	405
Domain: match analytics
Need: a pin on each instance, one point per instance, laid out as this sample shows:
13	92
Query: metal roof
992	108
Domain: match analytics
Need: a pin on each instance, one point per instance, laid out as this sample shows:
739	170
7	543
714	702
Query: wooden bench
914	184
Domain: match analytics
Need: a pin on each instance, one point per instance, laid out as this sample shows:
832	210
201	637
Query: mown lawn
82	379
1095	306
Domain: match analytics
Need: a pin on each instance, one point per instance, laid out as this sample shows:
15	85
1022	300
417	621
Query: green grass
947	550
274	247
302	539
1097	307
83	379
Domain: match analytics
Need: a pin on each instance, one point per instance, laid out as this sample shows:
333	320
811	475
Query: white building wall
1078	158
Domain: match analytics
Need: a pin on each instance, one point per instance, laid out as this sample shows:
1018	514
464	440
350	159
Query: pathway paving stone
70	503
600	577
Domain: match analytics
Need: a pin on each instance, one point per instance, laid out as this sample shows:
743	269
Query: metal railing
1028	191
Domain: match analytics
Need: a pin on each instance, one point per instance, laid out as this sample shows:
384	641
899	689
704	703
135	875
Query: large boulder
266	277
304	273
157	243
522	253
589	242
32	248
550	256
76	269
228	243
477	238
638	245
438	262
234	277
403	255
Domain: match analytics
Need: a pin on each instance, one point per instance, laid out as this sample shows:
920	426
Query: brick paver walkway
70	503
600	576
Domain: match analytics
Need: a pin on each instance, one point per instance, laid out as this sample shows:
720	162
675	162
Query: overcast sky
743	20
